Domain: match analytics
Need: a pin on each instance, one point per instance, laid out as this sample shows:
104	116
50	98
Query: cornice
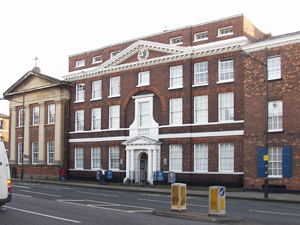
175	53
273	42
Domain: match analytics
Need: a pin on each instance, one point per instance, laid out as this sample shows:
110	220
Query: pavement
230	194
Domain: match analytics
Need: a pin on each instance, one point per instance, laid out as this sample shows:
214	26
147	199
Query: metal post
23	124
266	188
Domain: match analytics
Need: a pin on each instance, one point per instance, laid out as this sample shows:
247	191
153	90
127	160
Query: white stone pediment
141	140
32	81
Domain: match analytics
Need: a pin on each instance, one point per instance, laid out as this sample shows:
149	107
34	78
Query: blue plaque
109	174
160	176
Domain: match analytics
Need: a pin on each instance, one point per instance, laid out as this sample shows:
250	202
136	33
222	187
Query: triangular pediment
157	49
33	80
141	140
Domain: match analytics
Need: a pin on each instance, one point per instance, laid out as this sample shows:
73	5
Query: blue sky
53	30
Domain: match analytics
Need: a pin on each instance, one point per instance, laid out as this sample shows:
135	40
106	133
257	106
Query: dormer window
112	54
176	41
97	59
201	36
80	63
225	31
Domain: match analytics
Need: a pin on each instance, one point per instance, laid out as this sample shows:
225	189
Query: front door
143	167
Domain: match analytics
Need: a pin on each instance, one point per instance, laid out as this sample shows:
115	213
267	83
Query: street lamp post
23	123
246	54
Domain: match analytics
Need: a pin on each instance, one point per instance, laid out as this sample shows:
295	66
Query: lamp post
246	54
23	123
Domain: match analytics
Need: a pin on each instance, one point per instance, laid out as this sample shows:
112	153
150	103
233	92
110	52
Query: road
35	203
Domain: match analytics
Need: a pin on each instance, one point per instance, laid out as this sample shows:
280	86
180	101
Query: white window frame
35	115
275	162
114	117
95	158
275	116
226	106
1	124
144	114
200	74
175	158
79	120
21	117
176	77
114	53
201	157
79	158
114	87
176	40
274	68
97	59
201	109
226	157
224	31
35	152
51	114
144	78
114	158
80	92
96	119
97	90
175	111
226	70
80	63
201	36
50	152
20	152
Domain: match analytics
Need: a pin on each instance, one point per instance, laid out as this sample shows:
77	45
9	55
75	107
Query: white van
5	182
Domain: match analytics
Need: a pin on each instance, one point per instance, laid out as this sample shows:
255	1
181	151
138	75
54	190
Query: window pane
201	73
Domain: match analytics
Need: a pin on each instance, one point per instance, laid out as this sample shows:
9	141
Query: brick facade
230	134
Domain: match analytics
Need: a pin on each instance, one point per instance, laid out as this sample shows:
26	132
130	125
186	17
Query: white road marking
107	205
28	196
269	212
39	193
115	196
20	186
150	200
45	215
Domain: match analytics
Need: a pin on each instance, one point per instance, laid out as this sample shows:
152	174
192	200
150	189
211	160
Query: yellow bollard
217	201
178	197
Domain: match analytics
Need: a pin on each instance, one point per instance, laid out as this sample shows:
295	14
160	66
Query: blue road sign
109	174
160	176
222	192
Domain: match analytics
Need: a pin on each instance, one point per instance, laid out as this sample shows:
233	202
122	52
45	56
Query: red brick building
172	101
283	109
185	101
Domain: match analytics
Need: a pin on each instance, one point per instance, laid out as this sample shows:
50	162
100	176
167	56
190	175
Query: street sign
171	177
109	174
160	176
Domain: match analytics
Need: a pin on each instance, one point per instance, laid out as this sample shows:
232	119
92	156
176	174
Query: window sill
225	81
78	101
141	85
200	85
96	99
274	79
224	35
114	96
275	131
174	88
204	39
